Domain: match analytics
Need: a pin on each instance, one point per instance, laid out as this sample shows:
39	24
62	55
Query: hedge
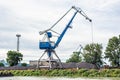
63	72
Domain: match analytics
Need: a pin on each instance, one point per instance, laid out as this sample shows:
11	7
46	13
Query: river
54	78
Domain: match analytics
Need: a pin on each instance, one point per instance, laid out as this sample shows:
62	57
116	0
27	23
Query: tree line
93	53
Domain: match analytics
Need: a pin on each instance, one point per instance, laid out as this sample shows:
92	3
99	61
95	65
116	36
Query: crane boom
47	45
42	32
64	31
78	10
81	12
73	7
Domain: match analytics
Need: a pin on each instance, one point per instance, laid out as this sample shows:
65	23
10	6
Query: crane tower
49	46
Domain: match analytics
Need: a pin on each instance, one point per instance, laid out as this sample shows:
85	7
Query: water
54	78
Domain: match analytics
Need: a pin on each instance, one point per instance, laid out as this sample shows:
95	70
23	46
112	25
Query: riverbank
63	73
55	78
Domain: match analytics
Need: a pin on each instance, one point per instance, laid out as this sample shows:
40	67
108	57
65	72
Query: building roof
69	65
84	65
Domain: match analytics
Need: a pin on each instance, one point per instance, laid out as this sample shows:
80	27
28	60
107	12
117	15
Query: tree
1	64
93	54
75	57
112	52
14	57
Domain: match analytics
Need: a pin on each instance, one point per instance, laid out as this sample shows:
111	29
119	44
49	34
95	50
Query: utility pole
18	36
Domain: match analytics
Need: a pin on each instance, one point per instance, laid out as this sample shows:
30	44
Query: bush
54	73
1	65
64	72
81	71
24	64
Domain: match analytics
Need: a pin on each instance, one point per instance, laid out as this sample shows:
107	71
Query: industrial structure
49	46
18	41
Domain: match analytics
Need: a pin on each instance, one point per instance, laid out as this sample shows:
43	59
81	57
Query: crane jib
62	34
48	45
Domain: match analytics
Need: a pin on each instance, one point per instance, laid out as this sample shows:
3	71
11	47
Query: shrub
64	72
1	65
24	64
81	71
54	73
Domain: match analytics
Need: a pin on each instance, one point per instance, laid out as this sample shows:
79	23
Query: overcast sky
28	17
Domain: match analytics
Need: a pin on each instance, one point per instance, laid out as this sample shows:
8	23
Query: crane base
49	62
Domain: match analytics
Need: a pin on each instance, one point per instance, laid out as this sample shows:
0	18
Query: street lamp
18	35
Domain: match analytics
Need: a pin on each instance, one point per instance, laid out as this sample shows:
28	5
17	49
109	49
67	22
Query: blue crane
49	46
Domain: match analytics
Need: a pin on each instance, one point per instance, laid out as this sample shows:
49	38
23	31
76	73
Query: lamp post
18	36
